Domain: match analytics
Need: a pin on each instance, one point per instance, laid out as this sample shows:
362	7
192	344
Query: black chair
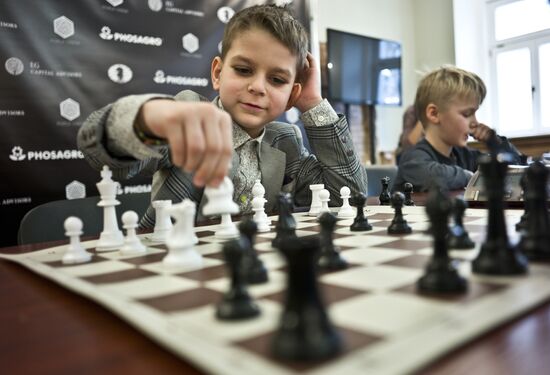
375	173
45	222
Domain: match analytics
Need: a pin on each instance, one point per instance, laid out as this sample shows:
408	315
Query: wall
410	22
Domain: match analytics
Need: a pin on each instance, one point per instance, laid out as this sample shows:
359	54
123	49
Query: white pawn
227	228
163	224
346	211
324	197
181	238
111	237
132	244
75	251
315	208
260	217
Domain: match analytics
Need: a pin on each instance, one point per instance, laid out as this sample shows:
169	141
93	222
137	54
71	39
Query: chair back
45	222
375	173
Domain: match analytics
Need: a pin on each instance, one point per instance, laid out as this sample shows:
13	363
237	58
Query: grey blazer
107	138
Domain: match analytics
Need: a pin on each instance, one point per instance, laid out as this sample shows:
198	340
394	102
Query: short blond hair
445	84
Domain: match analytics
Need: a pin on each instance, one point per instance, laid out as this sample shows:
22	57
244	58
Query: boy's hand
482	132
311	87
199	135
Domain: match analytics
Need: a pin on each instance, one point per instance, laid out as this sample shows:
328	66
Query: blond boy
188	143
446	103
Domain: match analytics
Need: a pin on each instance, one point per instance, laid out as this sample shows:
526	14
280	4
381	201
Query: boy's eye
278	80
242	70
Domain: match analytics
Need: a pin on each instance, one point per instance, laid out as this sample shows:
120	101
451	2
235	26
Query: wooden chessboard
386	325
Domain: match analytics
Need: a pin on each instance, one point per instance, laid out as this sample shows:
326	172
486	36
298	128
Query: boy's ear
294	95
432	113
215	72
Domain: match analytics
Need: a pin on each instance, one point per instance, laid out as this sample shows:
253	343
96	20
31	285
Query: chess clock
513	193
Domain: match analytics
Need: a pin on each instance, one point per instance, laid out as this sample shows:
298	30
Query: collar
240	137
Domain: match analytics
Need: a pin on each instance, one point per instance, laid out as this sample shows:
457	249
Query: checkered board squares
374	303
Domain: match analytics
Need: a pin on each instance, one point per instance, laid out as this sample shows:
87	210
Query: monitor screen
363	70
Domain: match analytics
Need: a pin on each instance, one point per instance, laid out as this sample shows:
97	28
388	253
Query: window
519	39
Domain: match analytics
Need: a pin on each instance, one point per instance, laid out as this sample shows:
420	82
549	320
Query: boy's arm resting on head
334	161
420	168
107	137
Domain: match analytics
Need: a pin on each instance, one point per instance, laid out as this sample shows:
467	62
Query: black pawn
253	267
384	196
497	256
330	258
399	224
407	190
236	304
286	224
522	224
441	275
305	332
535	239
360	223
458	235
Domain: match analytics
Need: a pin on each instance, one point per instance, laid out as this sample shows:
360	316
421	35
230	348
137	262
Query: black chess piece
253	267
522	224
407	191
330	258
458	235
236	304
384	196
286	224
535	239
497	256
398	225
360	223
305	331
441	275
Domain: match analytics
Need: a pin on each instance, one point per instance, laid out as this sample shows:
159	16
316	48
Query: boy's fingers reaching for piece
195	144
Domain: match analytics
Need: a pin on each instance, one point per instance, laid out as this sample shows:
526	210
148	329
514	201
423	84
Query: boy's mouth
251	107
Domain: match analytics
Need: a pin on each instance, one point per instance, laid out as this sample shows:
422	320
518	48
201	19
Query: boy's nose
257	86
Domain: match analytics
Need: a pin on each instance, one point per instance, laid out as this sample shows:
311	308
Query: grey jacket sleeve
333	163
419	168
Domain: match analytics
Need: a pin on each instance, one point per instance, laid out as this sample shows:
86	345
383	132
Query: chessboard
387	326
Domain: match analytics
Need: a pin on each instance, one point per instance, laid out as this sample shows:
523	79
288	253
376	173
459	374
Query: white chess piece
163	224
346	211
260	217
181	238
258	191
315	208
75	251
111	238
220	199
220	202
132	243
324	197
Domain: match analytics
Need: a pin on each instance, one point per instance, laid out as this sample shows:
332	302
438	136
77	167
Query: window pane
521	17
515	102
544	74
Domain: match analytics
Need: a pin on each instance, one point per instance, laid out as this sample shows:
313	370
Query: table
47	329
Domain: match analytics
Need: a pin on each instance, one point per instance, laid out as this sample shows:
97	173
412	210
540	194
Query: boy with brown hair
187	143
446	103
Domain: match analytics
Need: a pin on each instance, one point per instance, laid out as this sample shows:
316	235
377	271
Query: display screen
363	70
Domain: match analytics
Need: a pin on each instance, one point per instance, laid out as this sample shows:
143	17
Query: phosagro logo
162	78
14	66
17	154
107	34
120	73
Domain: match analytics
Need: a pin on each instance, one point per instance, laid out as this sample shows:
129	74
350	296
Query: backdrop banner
61	60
